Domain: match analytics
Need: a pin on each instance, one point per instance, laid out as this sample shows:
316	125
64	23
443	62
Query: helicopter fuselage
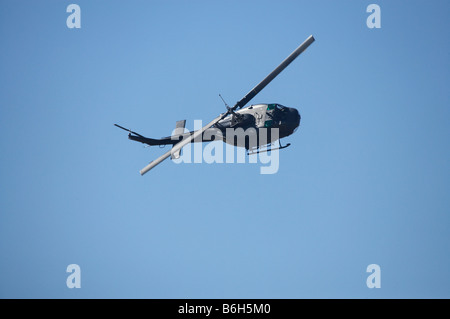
253	119
261	116
250	127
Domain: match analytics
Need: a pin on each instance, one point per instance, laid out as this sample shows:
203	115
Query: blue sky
365	180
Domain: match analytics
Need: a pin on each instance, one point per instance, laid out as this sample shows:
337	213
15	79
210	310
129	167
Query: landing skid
257	150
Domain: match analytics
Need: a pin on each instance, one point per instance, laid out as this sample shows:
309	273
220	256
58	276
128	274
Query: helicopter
255	119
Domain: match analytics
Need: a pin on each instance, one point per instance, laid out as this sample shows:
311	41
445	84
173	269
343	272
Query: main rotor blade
182	143
250	95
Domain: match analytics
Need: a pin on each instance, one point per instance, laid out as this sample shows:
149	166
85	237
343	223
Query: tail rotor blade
125	129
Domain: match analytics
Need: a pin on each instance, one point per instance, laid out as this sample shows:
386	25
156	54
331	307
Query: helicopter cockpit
276	111
286	118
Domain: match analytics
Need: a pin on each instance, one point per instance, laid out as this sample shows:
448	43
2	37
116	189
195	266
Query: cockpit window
275	106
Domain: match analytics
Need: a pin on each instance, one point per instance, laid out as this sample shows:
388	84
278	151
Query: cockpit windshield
275	106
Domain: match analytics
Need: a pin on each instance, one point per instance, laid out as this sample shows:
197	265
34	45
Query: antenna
226	105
